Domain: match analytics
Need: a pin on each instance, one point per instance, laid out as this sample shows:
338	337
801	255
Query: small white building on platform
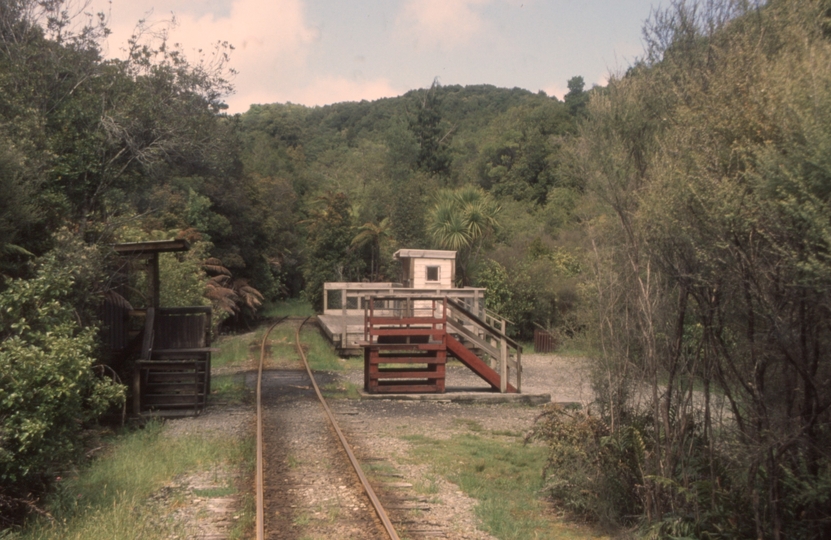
427	268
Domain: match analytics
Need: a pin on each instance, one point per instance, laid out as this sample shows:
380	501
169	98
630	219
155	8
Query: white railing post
503	362
518	371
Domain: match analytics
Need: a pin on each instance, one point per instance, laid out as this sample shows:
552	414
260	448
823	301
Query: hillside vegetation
674	225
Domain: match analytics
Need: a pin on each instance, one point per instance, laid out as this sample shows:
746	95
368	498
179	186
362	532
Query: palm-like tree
463	220
372	234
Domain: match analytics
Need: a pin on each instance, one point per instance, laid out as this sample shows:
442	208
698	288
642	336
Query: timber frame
169	352
407	341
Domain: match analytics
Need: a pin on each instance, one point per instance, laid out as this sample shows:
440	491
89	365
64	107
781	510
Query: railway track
308	482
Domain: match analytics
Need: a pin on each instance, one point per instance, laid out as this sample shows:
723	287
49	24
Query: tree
576	99
433	157
329	238
48	388
371	234
711	274
463	220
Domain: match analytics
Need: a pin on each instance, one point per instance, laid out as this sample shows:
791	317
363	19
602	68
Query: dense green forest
673	225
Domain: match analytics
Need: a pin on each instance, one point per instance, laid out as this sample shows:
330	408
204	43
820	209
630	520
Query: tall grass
112	497
319	352
293	307
504	477
233	350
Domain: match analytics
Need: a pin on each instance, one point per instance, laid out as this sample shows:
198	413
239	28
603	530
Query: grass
341	390
504	477
322	357
111	498
236	349
282	350
292	307
229	389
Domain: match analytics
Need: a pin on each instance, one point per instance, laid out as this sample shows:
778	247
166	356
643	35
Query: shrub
592	470
47	386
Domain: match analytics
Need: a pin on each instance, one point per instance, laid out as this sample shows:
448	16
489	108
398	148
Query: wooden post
137	390
155	297
146	349
343	313
325	299
503	361
208	356
519	371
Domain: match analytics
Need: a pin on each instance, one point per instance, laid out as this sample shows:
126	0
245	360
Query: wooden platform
333	327
467	396
407	353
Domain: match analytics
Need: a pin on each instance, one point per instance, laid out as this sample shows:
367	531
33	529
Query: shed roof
153	246
424	254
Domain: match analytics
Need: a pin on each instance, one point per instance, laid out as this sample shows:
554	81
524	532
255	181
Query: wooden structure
171	371
544	342
406	331
408	339
427	268
344	306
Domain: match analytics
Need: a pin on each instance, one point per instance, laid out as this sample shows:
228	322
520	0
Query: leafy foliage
711	280
48	389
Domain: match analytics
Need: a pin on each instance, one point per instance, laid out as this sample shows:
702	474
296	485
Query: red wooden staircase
407	342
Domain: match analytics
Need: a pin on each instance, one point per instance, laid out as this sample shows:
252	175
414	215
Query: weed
341	390
289	308
427	485
302	520
211	493
229	388
504	478
111	498
472	425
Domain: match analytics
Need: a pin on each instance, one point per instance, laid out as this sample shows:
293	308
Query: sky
318	52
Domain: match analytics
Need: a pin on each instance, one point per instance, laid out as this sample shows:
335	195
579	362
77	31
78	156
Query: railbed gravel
421	504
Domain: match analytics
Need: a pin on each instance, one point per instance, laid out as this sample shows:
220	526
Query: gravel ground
315	497
565	378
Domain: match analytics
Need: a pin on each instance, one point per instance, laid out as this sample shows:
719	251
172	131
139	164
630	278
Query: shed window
433	273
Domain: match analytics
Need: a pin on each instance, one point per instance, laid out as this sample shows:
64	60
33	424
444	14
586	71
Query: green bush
591	470
47	386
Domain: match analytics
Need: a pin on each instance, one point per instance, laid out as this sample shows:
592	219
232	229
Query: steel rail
260	521
376	503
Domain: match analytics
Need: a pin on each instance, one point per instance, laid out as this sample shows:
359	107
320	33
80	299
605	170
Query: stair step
407	360
406	386
426	346
405	374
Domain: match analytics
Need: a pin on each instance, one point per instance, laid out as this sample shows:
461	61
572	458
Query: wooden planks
414	370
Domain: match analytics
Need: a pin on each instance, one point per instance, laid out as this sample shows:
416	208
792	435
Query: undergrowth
113	496
293	307
503	476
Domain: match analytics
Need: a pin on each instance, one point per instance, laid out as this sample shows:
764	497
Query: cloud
271	40
321	91
556	90
442	22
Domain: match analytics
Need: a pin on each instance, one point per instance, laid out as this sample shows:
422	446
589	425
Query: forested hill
390	158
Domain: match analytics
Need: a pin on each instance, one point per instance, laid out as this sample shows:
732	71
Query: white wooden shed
427	268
